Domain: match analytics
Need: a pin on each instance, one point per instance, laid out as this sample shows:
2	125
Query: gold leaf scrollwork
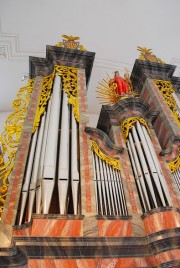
109	160
69	85
74	101
10	138
46	90
174	165
166	89
128	123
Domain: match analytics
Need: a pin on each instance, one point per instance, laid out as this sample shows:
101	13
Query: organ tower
76	196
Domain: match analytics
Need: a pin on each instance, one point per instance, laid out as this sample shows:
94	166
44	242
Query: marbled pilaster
88	200
12	200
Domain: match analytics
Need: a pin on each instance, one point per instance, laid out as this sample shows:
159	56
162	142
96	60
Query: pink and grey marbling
114	228
161	221
87	180
146	261
52	228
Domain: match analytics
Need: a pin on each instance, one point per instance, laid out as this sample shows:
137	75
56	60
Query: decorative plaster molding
9	48
112	64
2	53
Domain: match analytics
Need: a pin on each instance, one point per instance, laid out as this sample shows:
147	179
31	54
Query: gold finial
69	42
146	54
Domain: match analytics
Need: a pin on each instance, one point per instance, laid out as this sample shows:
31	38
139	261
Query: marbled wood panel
92	263
87	180
117	228
52	228
165	126
161	221
90	227
169	256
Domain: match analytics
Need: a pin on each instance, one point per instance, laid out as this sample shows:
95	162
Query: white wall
93	119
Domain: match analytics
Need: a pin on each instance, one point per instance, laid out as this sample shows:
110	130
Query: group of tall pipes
150	181
109	189
54	158
50	160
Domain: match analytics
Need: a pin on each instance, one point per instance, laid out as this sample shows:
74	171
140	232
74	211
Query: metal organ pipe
96	182
41	164
136	174
51	147
74	164
63	171
34	175
109	189
99	185
119	212
176	175
151	163
157	165
140	174
121	192
27	177
103	186
144	165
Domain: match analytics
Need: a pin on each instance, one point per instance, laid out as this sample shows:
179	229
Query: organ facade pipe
34	176
51	147
136	176
153	188
157	165
144	165
140	173
27	177
63	167
74	164
41	164
150	163
110	194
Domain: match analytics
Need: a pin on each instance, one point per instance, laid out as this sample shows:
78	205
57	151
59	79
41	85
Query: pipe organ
91	197
150	182
110	199
53	161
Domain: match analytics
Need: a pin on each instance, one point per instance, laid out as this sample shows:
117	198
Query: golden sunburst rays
106	91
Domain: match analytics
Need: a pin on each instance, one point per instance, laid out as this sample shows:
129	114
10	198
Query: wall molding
10	50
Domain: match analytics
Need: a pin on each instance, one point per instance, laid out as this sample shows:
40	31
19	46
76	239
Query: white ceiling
111	28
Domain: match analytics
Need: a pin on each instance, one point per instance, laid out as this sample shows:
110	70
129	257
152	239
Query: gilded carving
10	137
166	89
146	54
69	85
109	160
128	123
174	165
46	90
71	43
